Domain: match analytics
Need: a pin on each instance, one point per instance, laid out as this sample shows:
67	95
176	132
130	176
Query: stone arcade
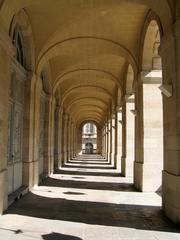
112	63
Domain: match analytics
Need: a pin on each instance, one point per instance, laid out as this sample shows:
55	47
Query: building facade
89	139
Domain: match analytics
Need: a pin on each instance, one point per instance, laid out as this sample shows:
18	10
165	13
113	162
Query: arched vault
87	45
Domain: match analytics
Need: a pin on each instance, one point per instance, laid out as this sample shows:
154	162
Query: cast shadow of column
59	236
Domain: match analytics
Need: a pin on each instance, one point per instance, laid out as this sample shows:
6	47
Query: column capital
151	77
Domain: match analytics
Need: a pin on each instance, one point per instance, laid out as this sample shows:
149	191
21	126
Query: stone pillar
68	138
56	137
128	159
79	140
98	141
76	141
103	141
36	139
60	137
113	139
47	135
6	54
53	105
119	138
109	139
28	161
72	140
64	137
123	157
170	53
148	168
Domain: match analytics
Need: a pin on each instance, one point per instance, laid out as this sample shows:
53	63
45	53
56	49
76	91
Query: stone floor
87	200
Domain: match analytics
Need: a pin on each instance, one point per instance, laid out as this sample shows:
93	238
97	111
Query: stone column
105	135
128	159
36	139
56	137
47	135
113	139
79	140
72	140
60	137
148	166
170	53
27	151
6	54
99	132
103	141
119	138
109	139
68	139
50	139
64	137
123	157
75	141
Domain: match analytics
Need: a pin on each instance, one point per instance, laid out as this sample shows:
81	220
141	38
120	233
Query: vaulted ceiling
88	45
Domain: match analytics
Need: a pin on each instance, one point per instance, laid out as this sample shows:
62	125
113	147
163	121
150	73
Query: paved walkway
87	200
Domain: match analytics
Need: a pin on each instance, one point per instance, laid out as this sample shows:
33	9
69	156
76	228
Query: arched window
17	42
89	128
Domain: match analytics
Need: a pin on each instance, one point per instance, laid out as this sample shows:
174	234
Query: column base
3	192
147	176
171	196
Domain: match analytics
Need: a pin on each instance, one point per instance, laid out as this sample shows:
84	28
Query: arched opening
152	110
89	148
89	138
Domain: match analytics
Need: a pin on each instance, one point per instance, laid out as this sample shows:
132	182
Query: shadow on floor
89	162
79	165
87	173
58	236
94	213
125	187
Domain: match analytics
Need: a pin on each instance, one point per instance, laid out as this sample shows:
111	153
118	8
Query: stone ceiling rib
89	88
53	50
88	100
70	73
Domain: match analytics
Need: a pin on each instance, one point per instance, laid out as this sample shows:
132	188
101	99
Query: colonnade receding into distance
119	73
